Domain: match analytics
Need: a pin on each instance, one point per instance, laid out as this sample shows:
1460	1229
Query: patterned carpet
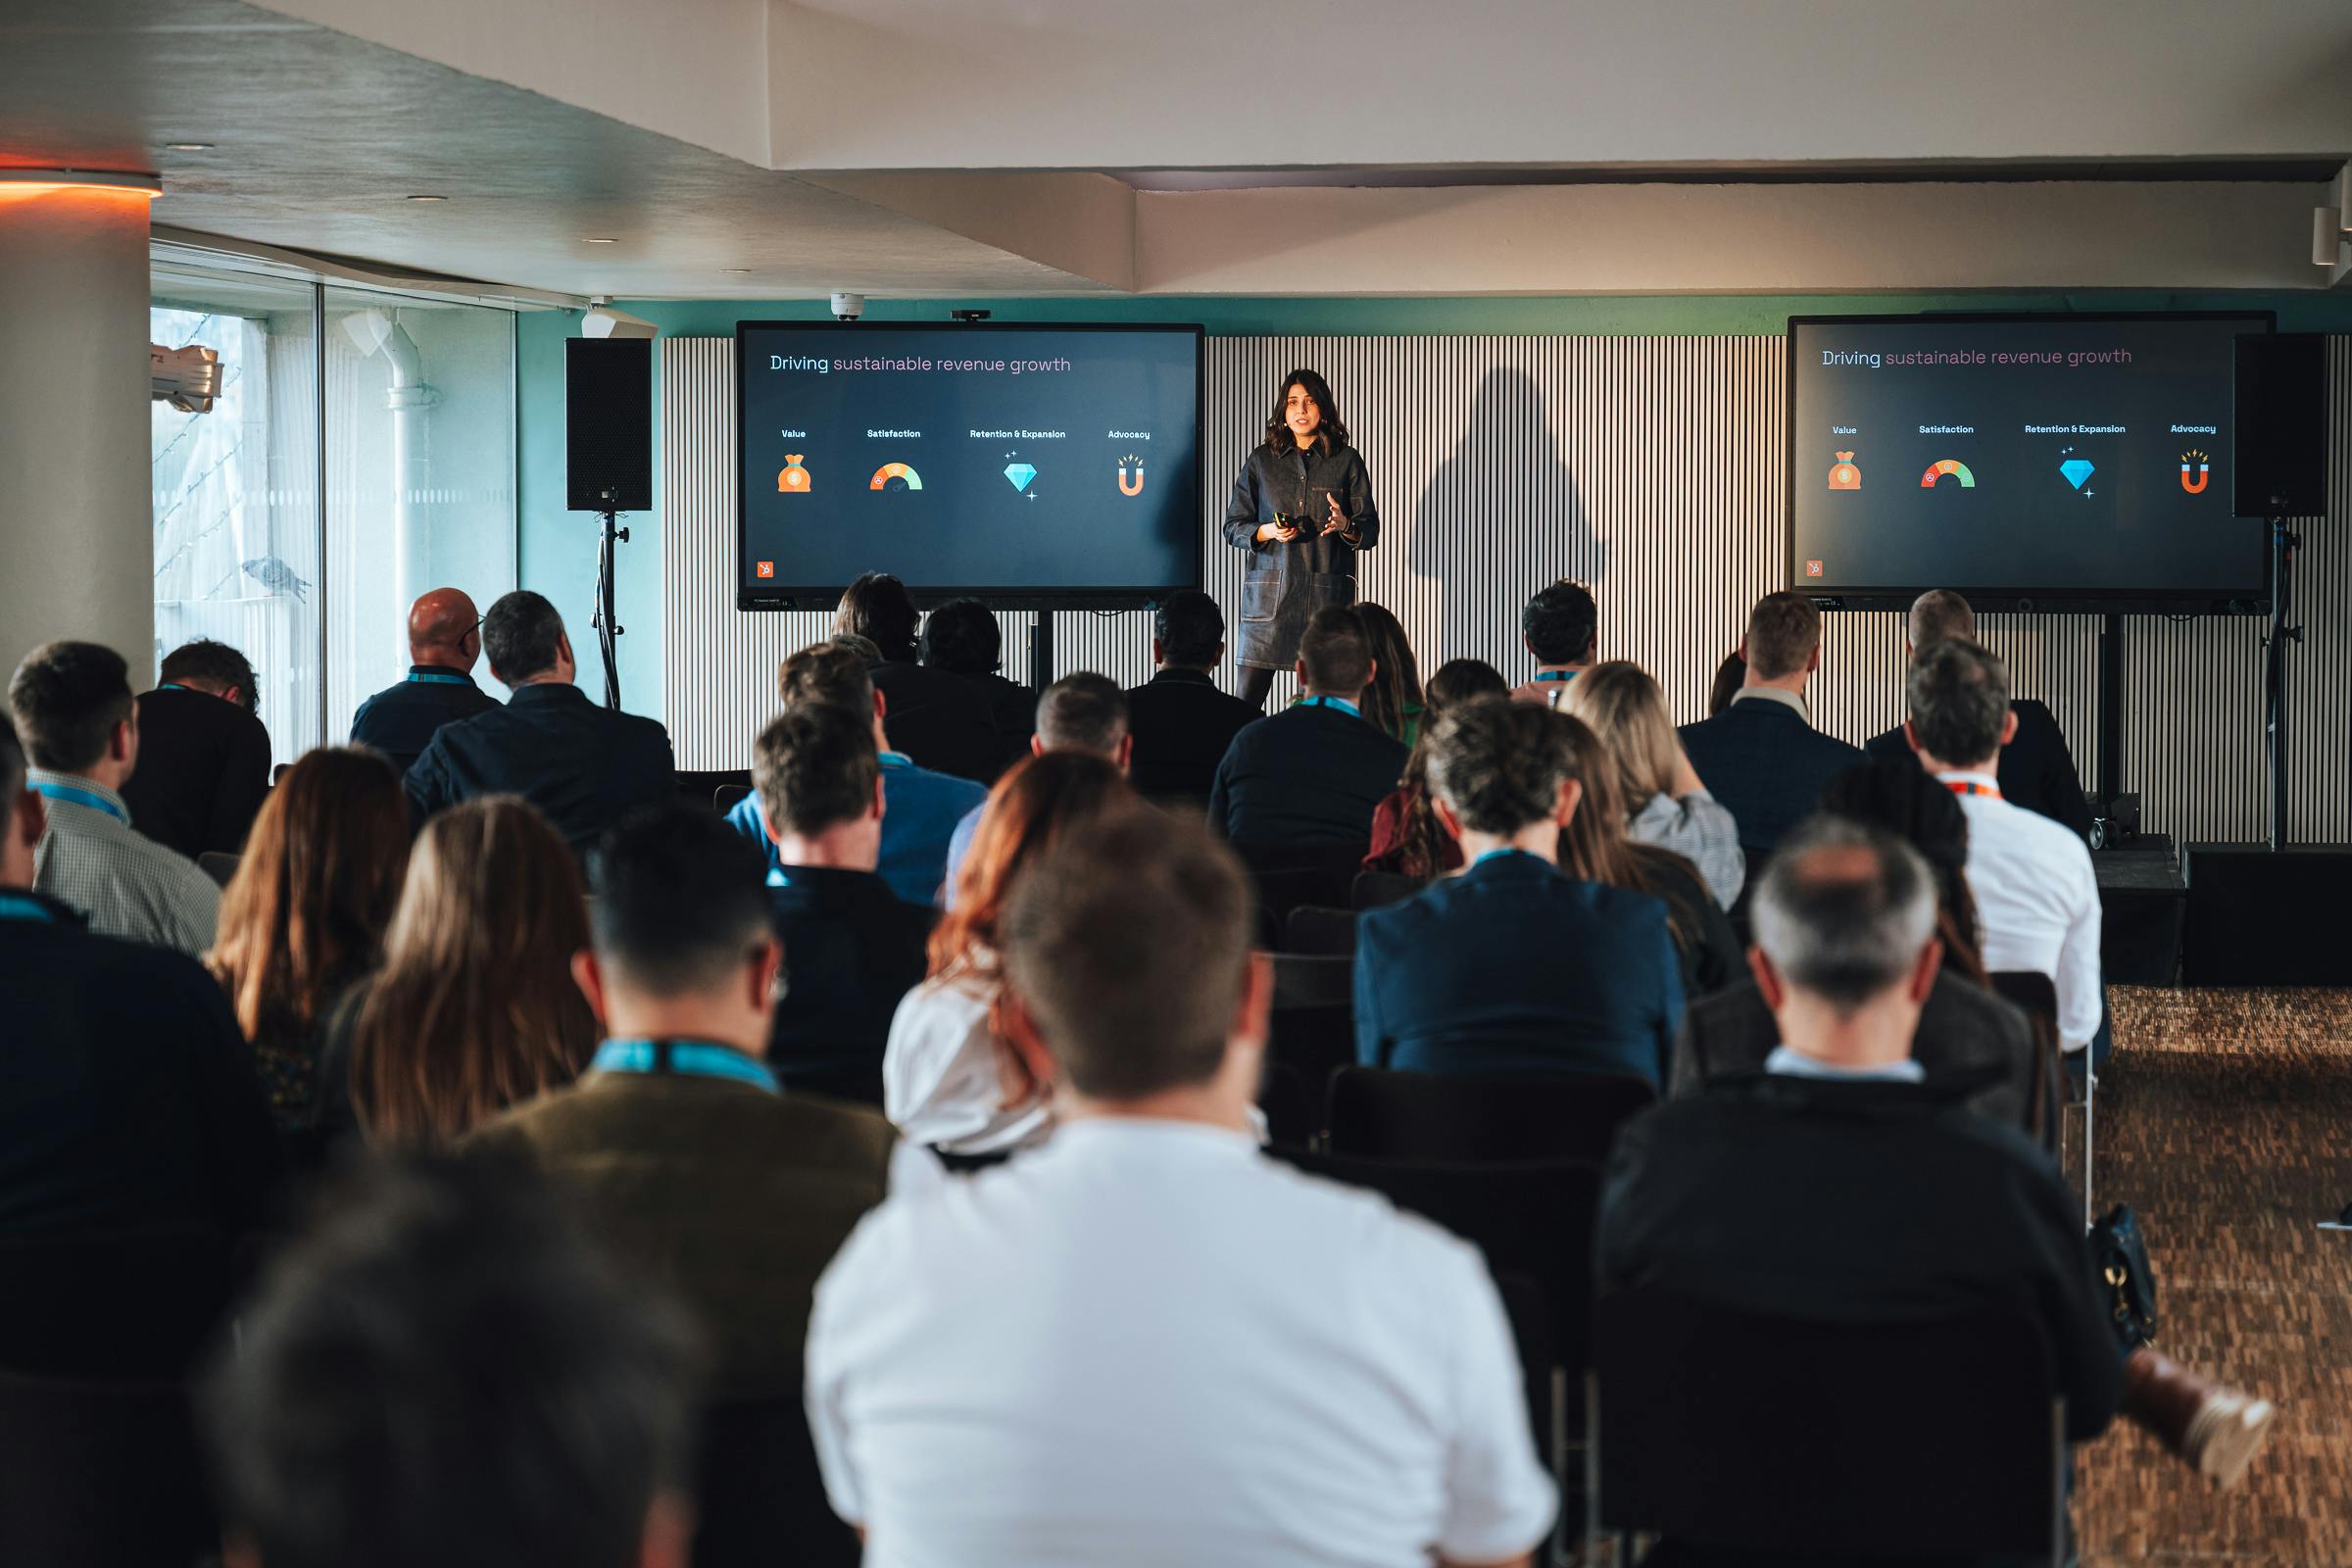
2225	1120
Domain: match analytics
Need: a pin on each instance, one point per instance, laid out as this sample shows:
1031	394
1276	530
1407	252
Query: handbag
2121	1253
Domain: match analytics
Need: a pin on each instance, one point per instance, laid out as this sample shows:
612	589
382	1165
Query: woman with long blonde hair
475	1007
1665	801
947	1078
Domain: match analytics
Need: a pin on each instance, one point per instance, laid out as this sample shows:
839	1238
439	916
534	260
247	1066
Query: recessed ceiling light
187	146
734	268
428	198
594	240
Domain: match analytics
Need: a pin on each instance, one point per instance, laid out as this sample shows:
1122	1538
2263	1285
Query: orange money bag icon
1844	475
794	480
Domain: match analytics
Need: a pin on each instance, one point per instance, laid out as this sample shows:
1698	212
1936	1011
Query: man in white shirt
1145	1343
2037	900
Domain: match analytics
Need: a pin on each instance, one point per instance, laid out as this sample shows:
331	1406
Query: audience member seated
1407	839
1182	724
1082	712
1774	1197
205	756
1394	700
74	709
304	918
1147	1344
963	638
445	640
852	947
474	1008
1316	773
2036	771
583	767
128	1104
943	721
1594	846
1666	801
678	1143
1561	627
921	807
446	1370
1967	1036
2037	898
1514	966
947	1078
1762	756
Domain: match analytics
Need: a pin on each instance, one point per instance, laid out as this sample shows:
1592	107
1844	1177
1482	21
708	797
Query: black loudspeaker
609	424
2281	461
2264	918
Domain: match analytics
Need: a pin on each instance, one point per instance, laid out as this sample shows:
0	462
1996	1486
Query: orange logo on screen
794	480
766	568
1812	569
2194	485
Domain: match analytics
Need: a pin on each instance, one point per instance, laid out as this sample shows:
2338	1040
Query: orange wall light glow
24	183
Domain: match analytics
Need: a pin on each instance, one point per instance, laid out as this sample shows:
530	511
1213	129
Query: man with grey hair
2036	770
1080	713
2037	898
1838	1186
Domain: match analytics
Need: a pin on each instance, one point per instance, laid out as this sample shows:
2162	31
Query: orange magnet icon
2195	483
794	480
1133	487
1844	475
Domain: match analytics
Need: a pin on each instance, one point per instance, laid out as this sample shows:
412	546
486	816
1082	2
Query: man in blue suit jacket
1514	966
1761	757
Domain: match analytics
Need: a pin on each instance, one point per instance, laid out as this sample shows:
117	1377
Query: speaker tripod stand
605	622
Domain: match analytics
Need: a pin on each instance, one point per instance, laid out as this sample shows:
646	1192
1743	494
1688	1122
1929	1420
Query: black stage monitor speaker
609	424
2264	918
2281	425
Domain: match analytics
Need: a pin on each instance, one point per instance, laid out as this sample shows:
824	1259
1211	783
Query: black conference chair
759	1497
1288	875
1313	1025
1729	1435
727	797
98	1474
1373	890
1378	1114
2035	995
1320	932
218	864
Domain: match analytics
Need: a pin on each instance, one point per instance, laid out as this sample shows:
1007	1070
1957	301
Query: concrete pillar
77	531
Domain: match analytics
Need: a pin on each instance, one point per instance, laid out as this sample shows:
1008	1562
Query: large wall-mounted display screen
2044	458
1032	464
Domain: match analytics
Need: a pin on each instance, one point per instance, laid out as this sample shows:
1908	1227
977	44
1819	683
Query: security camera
848	307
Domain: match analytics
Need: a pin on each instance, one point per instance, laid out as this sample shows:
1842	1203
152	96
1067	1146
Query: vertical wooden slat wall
1653	468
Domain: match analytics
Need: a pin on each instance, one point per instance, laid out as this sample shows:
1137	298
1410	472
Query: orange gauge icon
896	476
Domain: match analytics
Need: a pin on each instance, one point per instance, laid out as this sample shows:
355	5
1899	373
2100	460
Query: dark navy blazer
402	720
1768	767
1309	774
585	766
1515	967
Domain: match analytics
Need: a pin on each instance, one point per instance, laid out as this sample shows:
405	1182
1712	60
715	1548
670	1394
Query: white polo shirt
2038	900
1148	1344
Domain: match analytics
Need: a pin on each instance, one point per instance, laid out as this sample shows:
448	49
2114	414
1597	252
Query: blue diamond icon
1020	474
2076	469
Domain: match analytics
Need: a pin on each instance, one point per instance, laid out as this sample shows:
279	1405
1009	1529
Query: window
361	451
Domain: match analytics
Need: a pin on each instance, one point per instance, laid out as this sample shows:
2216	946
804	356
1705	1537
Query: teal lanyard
74	795
435	678
173	686
1340	702
17	906
689	1058
1492	854
1555	674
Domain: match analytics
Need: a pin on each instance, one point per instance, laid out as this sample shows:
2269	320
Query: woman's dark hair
306	914
879	608
1898	797
963	638
1395	675
1422	839
1730	677
1331	434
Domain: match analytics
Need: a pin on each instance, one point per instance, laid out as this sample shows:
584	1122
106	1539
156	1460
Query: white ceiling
754	148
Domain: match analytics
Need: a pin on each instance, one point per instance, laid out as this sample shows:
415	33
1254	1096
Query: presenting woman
1303	508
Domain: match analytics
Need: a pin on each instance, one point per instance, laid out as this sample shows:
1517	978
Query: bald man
445	640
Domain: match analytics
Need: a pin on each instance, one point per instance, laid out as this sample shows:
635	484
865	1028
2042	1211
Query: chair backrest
727	797
1283	888
218	864
2034	994
1314	980
1380	1114
101	1475
112	1304
1313	1028
1320	932
758	1498
1721	1429
1373	890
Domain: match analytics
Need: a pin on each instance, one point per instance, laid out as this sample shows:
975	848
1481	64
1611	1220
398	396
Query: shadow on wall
1500	517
